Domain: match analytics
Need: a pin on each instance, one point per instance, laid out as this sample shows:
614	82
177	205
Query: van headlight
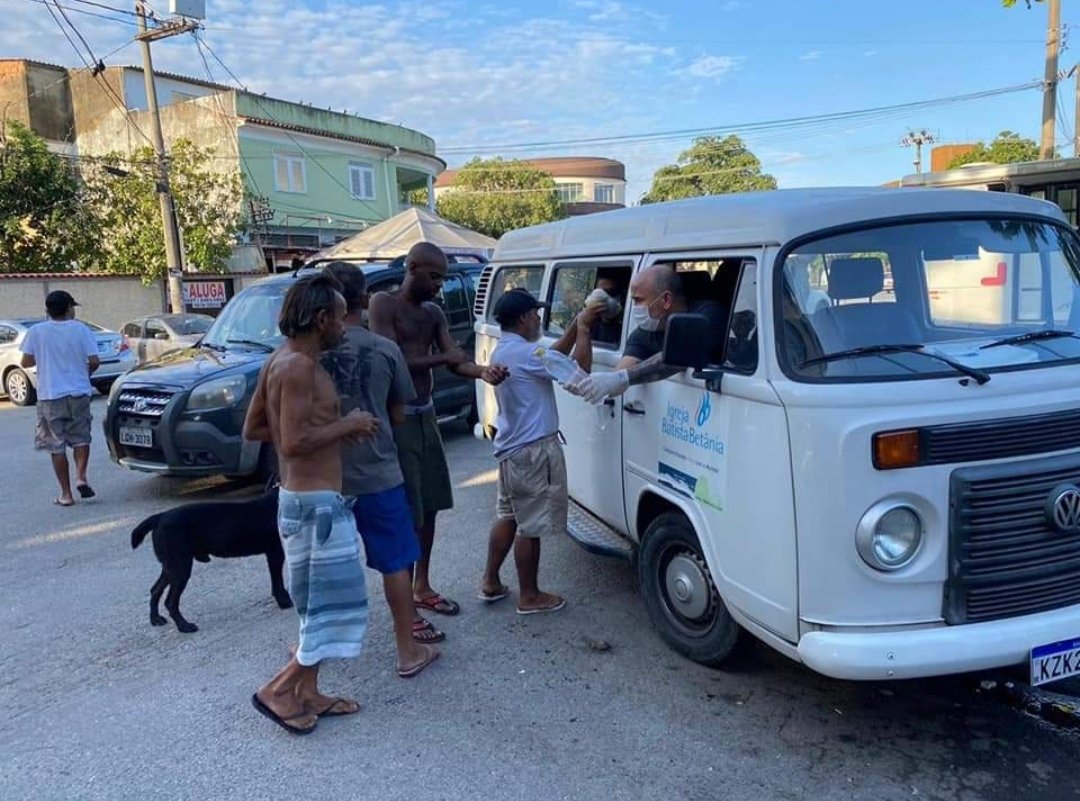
218	393
889	536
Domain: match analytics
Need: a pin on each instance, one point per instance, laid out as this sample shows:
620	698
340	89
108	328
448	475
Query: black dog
198	531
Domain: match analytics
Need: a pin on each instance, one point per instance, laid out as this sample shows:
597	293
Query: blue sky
477	74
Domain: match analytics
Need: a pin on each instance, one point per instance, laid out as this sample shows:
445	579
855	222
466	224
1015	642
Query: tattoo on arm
652	369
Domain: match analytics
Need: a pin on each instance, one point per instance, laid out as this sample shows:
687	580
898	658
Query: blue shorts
385	522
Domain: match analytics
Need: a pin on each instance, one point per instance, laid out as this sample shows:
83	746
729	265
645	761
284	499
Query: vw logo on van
1063	509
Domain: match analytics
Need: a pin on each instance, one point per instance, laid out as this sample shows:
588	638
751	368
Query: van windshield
986	294
250	318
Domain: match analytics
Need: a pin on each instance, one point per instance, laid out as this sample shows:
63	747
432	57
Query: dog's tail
144	528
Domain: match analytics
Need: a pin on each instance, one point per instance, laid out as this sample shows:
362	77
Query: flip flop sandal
59	502
439	605
496	596
267	712
85	490
331	712
415	670
542	609
425	625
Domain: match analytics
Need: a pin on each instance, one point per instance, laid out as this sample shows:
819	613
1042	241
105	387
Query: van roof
749	219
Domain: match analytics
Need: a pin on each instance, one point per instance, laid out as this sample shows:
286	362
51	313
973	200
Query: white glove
594	388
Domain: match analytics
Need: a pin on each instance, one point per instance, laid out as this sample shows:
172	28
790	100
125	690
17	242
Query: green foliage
44	226
208	210
494	196
1007	148
712	166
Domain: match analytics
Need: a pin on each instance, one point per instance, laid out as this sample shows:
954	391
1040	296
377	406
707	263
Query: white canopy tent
392	238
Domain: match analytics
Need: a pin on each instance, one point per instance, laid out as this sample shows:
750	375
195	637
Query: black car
183	414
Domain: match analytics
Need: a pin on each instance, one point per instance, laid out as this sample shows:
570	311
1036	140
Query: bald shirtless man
296	408
412	319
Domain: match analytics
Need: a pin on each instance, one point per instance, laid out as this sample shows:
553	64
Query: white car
19	384
151	337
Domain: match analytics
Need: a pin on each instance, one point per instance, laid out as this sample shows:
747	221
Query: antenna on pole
917	139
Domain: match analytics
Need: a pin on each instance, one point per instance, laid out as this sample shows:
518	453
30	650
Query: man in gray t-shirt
371	374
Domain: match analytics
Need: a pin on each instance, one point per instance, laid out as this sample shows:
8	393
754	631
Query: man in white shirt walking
532	494
65	353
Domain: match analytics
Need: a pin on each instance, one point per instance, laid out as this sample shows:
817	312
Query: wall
109	301
941	155
326	166
51	114
295	114
135	90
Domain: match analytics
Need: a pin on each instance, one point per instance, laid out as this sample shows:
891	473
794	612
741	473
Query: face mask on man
640	318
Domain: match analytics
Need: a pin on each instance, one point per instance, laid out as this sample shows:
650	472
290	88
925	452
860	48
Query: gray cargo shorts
63	423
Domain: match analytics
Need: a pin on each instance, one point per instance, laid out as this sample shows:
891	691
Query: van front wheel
680	595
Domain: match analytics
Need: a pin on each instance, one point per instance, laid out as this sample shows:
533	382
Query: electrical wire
777	124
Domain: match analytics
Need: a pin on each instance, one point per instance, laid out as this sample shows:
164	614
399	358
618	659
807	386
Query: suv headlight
218	393
889	536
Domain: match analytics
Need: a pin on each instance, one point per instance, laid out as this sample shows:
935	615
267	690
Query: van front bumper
868	655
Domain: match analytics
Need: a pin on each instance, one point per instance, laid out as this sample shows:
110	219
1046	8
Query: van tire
698	625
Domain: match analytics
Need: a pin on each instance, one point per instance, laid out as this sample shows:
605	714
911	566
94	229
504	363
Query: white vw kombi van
874	483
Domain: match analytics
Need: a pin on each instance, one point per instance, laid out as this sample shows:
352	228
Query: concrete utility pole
917	139
1053	45
173	251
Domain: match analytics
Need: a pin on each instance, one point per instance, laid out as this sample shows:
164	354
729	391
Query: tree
712	166
494	196
44	225
1007	148
208	210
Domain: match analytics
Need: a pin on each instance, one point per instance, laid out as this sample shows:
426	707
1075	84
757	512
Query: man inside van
411	318
656	293
532	493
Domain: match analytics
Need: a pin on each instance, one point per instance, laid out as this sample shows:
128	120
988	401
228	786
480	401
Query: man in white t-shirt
64	350
532	493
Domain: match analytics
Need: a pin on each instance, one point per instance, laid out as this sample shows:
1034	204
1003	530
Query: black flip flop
266	711
330	713
85	491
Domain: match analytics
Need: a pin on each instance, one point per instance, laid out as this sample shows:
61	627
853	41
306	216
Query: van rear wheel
680	594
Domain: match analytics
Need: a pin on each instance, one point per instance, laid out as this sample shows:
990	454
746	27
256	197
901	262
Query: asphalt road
585	704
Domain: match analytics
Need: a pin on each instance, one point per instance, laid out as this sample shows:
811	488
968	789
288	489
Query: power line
783	123
89	13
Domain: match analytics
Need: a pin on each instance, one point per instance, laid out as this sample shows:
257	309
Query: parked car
182	414
19	384
151	337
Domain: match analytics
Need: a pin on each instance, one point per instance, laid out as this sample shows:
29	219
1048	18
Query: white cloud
870	53
712	66
813	55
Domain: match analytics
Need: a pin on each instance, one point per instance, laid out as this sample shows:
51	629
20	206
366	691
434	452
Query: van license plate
1058	660
137	437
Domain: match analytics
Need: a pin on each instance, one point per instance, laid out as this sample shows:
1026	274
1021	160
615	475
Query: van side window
709	287
507	278
571	288
741	349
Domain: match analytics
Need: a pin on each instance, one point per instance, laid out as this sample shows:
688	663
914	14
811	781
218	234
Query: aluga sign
876	470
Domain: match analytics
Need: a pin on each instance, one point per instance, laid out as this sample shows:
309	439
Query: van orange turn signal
896	449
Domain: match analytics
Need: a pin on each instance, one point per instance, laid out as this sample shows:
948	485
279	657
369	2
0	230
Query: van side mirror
686	341
686	344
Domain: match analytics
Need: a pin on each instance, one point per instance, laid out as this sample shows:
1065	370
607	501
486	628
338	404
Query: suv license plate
137	437
1058	660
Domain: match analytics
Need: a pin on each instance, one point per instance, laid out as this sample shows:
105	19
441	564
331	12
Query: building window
290	173
570	193
604	193
361	180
